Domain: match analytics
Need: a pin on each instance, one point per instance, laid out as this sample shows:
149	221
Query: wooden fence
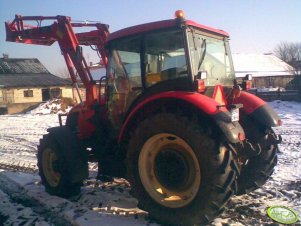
288	95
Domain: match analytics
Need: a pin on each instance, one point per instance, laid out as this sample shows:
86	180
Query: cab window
124	76
165	57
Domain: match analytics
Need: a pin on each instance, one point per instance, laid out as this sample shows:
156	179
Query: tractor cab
171	55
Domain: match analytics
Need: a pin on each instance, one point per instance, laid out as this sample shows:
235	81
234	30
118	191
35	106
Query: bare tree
290	52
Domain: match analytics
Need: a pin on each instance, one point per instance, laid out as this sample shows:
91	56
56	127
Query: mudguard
82	121
76	158
258	109
220	115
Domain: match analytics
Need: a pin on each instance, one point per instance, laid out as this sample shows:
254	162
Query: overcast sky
255	26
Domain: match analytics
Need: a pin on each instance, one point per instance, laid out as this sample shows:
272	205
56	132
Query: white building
267	70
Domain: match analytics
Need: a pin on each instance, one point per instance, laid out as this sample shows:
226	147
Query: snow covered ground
24	202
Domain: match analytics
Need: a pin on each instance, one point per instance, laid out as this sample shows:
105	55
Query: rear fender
75	157
208	106
258	109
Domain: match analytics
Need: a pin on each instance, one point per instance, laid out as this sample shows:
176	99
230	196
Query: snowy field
24	202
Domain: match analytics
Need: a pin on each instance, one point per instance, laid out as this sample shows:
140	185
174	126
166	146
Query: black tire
53	168
204	181
257	170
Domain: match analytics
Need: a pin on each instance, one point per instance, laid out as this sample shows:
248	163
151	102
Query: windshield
210	56
164	57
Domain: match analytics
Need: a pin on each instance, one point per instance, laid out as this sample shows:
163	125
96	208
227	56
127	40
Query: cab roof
162	25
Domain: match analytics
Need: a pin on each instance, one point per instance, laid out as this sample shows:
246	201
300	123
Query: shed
26	82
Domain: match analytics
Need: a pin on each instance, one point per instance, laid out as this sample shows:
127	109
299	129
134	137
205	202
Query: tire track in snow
26	191
26	167
19	137
23	216
18	143
29	211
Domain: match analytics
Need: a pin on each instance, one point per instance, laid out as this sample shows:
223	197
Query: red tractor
169	116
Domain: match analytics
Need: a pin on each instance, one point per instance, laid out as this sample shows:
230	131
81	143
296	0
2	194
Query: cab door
124	77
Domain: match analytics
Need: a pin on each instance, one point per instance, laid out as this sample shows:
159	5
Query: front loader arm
17	31
61	31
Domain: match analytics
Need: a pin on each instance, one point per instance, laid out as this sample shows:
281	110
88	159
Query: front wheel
52	168
180	174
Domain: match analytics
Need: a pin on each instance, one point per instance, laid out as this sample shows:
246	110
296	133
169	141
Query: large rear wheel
180	174
256	170
169	170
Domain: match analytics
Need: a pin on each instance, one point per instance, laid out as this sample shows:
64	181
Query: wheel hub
171	169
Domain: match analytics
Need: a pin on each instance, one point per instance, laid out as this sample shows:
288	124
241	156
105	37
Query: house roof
21	66
32	80
260	65
27	73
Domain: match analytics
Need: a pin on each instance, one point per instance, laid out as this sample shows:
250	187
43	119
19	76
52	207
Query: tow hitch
273	138
246	149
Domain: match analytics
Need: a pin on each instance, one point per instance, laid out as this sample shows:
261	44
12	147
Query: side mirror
247	82
202	75
248	77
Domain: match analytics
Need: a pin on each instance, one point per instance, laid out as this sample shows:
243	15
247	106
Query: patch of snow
270	89
55	106
111	203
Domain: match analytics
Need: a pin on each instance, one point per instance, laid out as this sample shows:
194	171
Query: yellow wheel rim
49	161
169	170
